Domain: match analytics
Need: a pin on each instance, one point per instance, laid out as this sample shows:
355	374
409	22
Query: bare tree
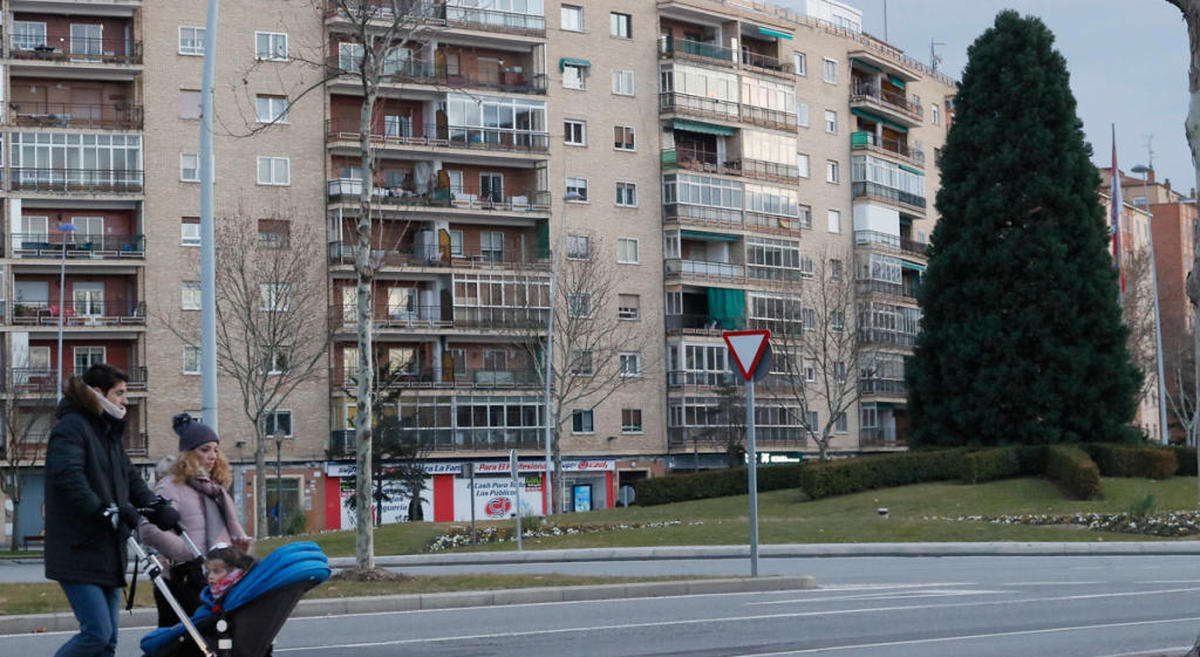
731	412
596	350
1180	371
1137	310
817	350
24	433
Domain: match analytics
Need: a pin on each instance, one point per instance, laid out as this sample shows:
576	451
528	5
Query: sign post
752	354
470	468
516	484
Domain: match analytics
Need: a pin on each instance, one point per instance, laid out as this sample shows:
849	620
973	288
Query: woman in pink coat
198	486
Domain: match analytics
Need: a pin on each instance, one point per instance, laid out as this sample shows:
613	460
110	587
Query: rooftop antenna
1150	150
934	58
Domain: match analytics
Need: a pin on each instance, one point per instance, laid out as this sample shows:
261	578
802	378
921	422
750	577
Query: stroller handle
187	540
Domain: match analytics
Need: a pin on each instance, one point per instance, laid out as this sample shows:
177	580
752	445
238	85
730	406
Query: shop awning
774	33
712	237
573	62
702	128
896	81
879	119
904	264
865	65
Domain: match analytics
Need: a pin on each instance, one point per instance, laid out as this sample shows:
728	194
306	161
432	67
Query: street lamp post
1162	382
278	483
65	229
548	356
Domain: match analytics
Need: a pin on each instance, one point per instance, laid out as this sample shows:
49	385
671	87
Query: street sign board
747	348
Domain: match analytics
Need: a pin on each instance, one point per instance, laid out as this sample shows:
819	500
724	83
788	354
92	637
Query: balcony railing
450	439
435	317
349	189
86	50
877	240
91	312
501	318
683	439
913	247
697	106
702	214
866	140
702	324
705	269
43	245
427	378
864	91
453	136
884	287
426	72
677	378
403	317
343	253
772	171
777	222
696	158
875	190
769	118
493	20
889	387
94	181
766	62
670	47
45	379
879	437
76	115
886	336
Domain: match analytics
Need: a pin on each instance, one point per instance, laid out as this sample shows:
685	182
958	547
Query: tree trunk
13	543
364	540
557	488
261	527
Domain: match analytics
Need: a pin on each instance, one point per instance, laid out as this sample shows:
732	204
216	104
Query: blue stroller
244	621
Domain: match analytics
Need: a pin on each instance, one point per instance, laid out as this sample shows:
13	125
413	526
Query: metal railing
76	115
681	103
427	72
43	245
677	378
766	62
349	190
884	287
533	319
428	378
452	136
886	336
879	437
776	222
767	117
90	312
451	439
891	387
705	269
670	47
96	181
860	189
408	316
701	324
771	171
778	274
343	253
75	49
493	20
864	91
683	439
877	240
45	380
913	247
701	159
866	140
701	214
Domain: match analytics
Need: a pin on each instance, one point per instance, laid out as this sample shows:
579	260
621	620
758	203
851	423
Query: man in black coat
93	494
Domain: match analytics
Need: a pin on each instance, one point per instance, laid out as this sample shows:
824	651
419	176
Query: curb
147	617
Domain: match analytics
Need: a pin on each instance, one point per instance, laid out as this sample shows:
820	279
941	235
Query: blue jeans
96	609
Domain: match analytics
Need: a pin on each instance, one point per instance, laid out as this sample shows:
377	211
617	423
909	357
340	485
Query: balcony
348	190
80	50
701	324
766	63
87	181
425	317
769	118
33	380
81	313
42	245
696	158
702	214
712	379
435	317
770	171
684	49
76	115
342	253
713	438
883	387
678	103
450	439
415	71
913	247
887	337
704	270
905	292
777	223
472	378
870	190
489	20
863	140
434	136
894	104
879	437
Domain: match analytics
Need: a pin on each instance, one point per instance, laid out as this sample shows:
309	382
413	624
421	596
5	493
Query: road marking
966	637
1148	653
892	595
695	621
1088	583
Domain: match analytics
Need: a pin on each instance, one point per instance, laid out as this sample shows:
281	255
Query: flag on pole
1114	213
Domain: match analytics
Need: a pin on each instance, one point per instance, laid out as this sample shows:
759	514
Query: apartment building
711	157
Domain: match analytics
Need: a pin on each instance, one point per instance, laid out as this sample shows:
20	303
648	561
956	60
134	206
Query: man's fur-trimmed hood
78	396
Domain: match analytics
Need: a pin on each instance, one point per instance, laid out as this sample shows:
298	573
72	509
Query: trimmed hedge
1187	460
713	483
1074	470
991	464
1146	461
829	478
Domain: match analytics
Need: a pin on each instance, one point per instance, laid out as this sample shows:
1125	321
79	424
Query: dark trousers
186	595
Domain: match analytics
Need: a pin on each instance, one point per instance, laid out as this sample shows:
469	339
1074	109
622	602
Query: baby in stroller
225	566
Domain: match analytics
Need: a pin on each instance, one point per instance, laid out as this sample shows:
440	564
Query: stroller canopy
296	562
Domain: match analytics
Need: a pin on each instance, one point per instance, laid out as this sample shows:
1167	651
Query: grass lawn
786	517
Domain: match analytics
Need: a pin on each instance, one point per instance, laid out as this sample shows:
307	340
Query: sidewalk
147	617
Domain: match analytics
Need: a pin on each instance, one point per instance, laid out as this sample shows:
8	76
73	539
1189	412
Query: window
574	76
835	269
272	109
935	114
834	221
800	62
831	122
278	422
274	297
191	40
189	231
189	167
571	18
813	421
577	185
627	251
623	137
839	371
576	132
829	70
627	194
191	295
839	425
621	25
581	362
85	357
631	364
270	46
802	115
274	170
579	304
802	165
622	82
628	306
810	370
27	35
276	360
833	172
191	359
837	321
350	57
579	247
581	421
189	104
631	420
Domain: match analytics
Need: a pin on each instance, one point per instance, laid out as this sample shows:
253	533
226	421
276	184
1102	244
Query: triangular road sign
747	348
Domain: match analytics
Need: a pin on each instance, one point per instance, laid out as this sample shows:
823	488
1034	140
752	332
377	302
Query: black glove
129	516
164	516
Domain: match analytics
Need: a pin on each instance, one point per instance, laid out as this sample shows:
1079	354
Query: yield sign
747	348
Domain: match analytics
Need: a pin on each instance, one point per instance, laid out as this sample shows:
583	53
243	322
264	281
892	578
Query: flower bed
1175	523
460	536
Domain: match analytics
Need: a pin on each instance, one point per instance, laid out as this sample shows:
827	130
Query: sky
1127	59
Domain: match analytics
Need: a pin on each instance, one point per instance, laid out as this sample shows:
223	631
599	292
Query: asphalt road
870	607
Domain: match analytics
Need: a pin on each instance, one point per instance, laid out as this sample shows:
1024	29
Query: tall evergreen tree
1022	340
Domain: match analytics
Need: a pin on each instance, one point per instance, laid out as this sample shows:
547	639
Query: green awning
702	128
774	33
879	119
896	81
712	237
904	264
909	169
573	61
865	64
727	307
